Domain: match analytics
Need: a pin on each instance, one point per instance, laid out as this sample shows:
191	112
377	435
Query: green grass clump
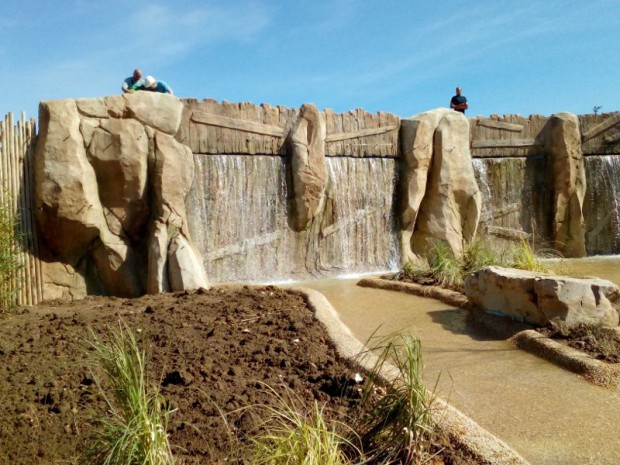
290	437
134	431
395	425
10	264
447	270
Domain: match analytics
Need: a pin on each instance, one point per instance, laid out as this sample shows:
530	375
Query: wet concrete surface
549	415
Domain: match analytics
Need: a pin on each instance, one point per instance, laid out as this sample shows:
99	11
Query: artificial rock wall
144	192
110	188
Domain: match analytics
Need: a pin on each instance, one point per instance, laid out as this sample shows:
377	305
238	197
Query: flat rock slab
540	299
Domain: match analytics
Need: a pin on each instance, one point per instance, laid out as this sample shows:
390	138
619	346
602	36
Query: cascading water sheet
239	209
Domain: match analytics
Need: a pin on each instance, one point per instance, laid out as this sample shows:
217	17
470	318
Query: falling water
602	205
361	235
238	215
515	196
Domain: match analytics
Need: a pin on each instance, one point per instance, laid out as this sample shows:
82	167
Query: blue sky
400	56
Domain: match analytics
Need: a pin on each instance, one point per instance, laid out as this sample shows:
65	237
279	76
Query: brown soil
206	350
600	342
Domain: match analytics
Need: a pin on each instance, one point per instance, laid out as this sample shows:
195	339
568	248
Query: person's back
157	86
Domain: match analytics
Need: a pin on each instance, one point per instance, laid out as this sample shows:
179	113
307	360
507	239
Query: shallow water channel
549	415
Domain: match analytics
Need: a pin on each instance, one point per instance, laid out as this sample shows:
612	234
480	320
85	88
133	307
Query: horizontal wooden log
500	212
489	123
507	143
602	127
507	233
361	133
238	124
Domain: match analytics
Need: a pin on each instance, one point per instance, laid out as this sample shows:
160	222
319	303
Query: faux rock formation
563	146
307	141
440	199
108	174
539	299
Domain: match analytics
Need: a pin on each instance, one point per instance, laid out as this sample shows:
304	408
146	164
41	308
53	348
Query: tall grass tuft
445	267
395	425
290	437
525	258
134	431
10	265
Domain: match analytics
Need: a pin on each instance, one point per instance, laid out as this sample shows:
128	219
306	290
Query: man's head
137	74
458	91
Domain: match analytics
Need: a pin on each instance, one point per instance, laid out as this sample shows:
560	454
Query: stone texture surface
563	147
539	299
445	203
108	171
309	170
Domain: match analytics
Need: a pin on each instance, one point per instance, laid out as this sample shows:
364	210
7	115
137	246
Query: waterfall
238	215
361	234
516	199
601	206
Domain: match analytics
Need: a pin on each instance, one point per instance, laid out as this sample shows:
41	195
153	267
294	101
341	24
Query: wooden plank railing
17	143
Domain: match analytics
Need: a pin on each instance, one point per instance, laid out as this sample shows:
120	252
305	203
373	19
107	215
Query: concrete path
548	415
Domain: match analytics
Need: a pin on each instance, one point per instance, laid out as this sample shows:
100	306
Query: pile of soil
207	350
599	342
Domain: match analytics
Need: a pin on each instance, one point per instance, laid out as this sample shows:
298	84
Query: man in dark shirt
459	102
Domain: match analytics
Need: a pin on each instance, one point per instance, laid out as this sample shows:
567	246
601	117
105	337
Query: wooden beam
507	233
238	124
507	143
602	127
489	123
361	133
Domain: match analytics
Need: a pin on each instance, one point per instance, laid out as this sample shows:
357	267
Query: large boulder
119	154
449	209
563	147
67	205
107	172
539	299
309	169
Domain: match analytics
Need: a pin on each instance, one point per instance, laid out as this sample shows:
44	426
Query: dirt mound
207	350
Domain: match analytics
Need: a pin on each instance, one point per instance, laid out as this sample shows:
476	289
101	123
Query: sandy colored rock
563	146
539	299
67	205
93	107
96	162
172	172
450	209
307	141
185	268
416	142
160	111
119	155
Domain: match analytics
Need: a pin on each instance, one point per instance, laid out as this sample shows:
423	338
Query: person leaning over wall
150	83
133	82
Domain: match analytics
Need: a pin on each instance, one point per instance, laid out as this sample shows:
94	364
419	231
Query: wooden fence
17	143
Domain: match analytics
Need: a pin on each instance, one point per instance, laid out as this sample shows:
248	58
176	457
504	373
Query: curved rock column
440	199
563	147
309	170
173	262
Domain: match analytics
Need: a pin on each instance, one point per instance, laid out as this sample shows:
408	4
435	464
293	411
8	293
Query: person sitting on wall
150	83
459	102
133	82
